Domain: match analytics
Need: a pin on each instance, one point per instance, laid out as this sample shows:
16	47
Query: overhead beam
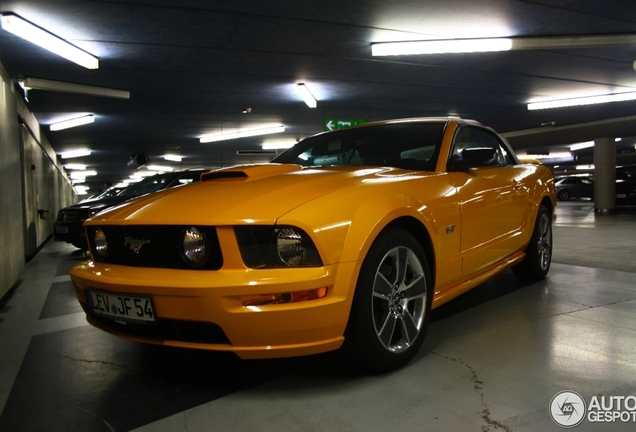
570	134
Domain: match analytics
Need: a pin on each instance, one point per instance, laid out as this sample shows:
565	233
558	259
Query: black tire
563	195
391	306
536	264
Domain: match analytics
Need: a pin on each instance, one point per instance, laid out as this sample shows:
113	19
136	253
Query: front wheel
536	264
391	305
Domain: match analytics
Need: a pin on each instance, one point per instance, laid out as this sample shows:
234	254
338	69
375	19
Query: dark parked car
108	193
574	187
626	185
68	226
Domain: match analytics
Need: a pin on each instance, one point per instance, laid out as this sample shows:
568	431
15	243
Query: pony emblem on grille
135	244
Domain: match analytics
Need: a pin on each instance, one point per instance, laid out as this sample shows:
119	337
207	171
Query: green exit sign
333	124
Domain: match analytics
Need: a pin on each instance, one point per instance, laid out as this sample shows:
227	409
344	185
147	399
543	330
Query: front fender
345	224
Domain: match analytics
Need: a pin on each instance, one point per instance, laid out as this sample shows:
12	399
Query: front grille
160	246
172	330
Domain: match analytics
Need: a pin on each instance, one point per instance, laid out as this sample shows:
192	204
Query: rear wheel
391	305
563	195
536	264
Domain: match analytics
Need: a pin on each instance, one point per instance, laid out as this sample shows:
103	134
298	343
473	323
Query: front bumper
71	233
184	298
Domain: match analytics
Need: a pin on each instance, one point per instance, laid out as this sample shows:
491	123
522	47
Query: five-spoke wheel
391	305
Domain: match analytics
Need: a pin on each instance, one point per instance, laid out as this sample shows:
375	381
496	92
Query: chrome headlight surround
265	246
193	247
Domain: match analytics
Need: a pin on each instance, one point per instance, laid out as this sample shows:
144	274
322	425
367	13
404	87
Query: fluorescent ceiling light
72	123
278	146
307	96
34	34
584	167
241	134
81	190
75	154
75	167
172	158
65	87
581	146
159	168
82	174
560	155
440	46
587	100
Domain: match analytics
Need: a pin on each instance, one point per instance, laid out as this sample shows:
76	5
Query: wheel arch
547	202
421	235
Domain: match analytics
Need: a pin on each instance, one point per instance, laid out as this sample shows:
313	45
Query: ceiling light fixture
173	158
75	154
82	174
79	121
587	100
278	146
75	167
581	146
442	46
34	34
309	99
559	155
161	168
81	190
65	87
241	134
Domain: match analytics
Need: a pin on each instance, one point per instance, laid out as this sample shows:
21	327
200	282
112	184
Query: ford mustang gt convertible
345	241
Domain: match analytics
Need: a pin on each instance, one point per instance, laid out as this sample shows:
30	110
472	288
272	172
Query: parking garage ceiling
197	67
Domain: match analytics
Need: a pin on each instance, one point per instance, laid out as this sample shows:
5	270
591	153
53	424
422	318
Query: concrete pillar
604	174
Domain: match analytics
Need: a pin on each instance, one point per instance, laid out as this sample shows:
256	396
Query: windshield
402	145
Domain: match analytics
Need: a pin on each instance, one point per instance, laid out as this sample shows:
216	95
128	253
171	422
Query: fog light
282	298
101	245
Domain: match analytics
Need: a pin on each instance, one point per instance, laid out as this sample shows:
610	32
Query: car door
492	202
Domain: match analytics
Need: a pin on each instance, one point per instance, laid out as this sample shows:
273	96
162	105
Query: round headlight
101	245
289	244
193	246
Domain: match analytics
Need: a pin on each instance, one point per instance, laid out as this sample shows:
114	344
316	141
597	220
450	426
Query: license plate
121	306
61	230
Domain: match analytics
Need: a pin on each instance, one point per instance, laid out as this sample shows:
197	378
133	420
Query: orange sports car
347	240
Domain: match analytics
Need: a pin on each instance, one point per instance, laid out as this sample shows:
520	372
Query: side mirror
475	157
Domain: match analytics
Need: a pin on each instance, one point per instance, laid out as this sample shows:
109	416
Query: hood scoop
214	175
249	172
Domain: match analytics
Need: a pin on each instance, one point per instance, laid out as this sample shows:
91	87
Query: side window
474	137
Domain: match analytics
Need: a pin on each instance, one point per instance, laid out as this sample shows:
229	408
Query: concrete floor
492	361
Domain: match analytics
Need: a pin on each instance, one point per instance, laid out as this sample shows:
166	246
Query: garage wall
31	179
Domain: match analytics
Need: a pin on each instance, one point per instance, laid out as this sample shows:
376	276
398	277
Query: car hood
250	194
